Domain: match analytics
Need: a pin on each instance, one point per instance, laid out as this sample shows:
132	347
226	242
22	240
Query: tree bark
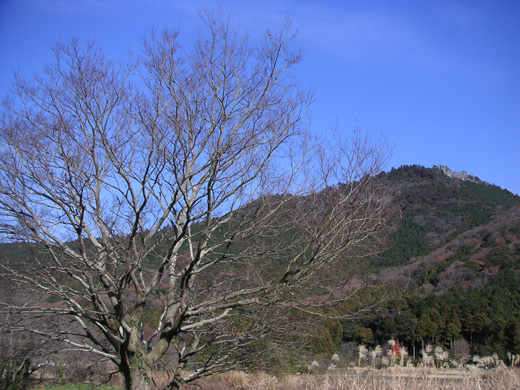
136	371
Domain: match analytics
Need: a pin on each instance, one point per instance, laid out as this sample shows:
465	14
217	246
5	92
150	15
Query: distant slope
457	249
469	259
437	206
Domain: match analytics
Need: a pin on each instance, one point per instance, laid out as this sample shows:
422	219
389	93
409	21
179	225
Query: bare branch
171	201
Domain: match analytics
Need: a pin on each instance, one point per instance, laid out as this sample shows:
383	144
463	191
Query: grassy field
353	379
77	386
506	379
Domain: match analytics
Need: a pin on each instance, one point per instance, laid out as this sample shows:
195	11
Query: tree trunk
135	378
138	381
136	370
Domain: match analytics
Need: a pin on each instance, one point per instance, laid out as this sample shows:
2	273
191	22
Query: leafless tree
184	185
21	354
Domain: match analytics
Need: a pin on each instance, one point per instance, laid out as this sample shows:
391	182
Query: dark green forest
433	203
487	318
461	240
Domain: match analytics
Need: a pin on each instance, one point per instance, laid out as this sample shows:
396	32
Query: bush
14	374
323	345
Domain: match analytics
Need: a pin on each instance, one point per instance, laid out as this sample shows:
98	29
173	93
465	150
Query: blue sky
441	79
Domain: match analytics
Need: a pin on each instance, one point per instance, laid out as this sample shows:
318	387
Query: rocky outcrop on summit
458	175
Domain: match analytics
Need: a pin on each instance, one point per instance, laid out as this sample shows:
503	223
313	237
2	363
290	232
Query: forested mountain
457	249
436	208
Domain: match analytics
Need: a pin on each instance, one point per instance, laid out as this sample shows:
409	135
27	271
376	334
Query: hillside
455	230
469	259
436	208
457	249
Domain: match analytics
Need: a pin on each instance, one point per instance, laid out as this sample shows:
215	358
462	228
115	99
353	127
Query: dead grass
366	379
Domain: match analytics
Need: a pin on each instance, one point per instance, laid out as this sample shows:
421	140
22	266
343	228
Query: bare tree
185	185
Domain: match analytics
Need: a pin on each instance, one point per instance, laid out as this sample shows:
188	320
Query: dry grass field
367	379
395	378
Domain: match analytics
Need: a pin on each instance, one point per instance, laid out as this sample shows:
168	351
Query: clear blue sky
440	78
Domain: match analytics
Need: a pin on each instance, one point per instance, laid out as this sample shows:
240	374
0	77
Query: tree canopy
177	206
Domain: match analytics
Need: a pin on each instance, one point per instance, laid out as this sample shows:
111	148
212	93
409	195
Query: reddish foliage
395	349
439	259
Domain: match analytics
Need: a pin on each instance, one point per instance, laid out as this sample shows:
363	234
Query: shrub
14	374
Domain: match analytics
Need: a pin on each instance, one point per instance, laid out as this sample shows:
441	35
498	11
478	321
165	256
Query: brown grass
366	379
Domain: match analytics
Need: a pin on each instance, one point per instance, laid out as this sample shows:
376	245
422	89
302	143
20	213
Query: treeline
486	318
468	298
